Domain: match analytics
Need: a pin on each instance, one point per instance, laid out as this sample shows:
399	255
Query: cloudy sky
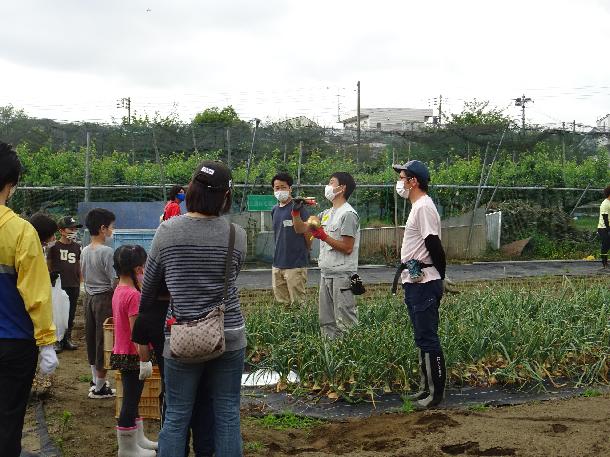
72	59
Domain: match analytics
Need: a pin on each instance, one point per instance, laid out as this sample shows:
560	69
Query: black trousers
605	236
17	368
132	391
73	293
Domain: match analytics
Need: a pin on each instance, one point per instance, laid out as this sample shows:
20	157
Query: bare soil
575	427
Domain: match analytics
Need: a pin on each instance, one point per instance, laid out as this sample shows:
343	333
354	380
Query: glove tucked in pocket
355	285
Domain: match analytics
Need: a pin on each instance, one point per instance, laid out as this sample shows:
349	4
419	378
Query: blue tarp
129	215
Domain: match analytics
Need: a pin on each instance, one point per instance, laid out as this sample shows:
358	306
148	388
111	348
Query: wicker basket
149	406
108	341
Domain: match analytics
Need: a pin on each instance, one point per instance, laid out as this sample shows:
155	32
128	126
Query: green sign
261	202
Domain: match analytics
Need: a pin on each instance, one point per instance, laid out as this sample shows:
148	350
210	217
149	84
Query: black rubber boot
67	341
435	369
424	390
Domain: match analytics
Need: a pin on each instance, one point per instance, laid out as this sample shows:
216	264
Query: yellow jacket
26	311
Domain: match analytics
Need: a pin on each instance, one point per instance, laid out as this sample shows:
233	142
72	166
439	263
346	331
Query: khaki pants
337	307
289	284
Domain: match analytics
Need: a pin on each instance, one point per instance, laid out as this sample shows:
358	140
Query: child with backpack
129	265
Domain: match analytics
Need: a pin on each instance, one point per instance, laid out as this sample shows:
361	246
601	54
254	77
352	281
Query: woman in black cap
190	254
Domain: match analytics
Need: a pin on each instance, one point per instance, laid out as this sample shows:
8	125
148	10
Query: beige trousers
289	284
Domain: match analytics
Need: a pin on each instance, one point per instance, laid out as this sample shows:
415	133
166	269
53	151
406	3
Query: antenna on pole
522	101
125	102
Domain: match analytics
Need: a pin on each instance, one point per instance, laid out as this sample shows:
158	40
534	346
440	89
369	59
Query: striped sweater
188	254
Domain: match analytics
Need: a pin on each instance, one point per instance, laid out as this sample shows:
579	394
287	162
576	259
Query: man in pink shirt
423	271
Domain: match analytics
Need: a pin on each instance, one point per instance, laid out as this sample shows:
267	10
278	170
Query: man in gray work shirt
339	238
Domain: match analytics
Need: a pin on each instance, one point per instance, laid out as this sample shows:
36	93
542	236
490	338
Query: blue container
143	237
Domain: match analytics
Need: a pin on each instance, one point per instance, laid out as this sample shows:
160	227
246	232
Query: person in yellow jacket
26	312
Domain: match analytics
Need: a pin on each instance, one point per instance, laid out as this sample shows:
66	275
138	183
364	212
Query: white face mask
72	236
401	190
329	192
282	195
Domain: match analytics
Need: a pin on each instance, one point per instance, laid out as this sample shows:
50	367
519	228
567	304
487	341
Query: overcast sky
271	59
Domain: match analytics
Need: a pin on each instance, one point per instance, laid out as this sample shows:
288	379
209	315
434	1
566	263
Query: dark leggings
605	236
132	391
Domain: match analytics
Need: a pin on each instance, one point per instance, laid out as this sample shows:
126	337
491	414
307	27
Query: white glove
145	370
48	359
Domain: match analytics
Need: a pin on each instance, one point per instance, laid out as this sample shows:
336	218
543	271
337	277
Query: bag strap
229	260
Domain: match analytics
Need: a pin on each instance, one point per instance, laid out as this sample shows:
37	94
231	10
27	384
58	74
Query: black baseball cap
213	175
414	167
68	222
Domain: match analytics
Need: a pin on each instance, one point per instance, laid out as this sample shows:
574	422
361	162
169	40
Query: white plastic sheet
261	378
61	309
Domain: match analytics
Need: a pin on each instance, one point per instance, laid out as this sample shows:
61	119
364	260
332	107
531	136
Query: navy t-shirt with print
290	247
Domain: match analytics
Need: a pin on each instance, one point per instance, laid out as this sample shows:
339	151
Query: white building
390	119
603	123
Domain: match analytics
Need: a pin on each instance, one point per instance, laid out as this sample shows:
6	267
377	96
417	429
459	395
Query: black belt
402	267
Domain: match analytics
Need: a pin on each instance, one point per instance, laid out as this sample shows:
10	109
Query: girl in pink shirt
129	265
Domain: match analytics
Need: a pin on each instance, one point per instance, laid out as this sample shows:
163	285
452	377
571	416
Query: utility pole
358	125
440	110
338	106
574	126
522	101
125	102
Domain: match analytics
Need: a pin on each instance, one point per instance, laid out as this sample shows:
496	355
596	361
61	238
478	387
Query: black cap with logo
68	222
214	175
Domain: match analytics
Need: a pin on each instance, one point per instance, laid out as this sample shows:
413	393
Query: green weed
590	392
253	446
407	406
286	421
479	407
85	378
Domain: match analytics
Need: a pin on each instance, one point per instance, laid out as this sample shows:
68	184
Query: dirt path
575	427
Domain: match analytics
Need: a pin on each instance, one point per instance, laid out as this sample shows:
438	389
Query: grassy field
505	332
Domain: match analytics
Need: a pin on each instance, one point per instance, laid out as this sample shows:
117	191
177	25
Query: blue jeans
222	378
423	300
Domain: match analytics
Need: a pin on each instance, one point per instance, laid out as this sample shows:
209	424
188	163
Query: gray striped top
189	255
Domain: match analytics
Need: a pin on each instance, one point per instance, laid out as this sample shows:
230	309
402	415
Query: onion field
555	330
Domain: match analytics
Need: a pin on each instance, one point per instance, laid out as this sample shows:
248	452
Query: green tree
225	117
478	112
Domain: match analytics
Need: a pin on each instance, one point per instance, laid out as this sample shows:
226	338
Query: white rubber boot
127	439
144	442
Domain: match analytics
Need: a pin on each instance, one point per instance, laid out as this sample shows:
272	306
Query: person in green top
603	227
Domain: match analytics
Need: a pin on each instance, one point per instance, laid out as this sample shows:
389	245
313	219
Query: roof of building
392	114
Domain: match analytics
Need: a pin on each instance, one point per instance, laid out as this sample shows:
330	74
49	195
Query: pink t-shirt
423	221
125	303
